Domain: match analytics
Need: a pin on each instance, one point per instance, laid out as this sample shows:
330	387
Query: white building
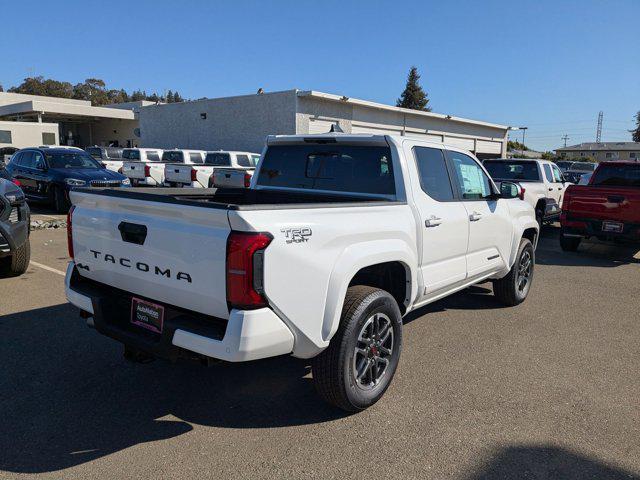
32	120
243	122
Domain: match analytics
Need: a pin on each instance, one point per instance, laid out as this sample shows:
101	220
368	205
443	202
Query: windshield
71	160
336	168
617	175
173	157
501	170
131	154
583	166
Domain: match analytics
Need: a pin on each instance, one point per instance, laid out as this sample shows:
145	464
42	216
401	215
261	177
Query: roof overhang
381	106
53	108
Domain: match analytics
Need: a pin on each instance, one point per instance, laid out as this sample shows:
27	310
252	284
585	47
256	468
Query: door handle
475	216
432	221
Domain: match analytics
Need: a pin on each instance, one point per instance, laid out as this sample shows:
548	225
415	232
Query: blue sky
549	65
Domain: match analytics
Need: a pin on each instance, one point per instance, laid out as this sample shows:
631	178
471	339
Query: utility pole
524	129
599	130
565	138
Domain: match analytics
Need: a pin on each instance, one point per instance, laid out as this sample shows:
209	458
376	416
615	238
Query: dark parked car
577	169
564	165
15	251
47	174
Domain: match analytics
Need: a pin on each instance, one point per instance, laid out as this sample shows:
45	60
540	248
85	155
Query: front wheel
358	365
514	288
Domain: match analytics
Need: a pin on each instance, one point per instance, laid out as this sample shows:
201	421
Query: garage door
465	143
424	136
320	126
375	130
485	146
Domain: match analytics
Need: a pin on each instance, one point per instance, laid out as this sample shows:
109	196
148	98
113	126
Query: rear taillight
17	182
245	269
70	231
247	180
147	171
194	175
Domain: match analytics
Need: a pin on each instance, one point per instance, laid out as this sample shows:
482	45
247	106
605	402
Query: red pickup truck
608	208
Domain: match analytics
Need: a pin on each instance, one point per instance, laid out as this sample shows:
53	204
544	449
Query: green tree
42	86
92	89
169	98
177	98
635	133
1	88
138	95
413	96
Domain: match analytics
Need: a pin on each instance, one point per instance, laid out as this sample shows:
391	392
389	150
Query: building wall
104	131
233	123
28	134
316	115
601	156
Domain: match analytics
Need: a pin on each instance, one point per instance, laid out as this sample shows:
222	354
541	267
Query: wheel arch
378	263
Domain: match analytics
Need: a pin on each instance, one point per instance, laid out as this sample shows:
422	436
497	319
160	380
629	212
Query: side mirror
511	190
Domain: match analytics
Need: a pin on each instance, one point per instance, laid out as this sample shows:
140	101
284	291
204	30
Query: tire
513	289
17	263
335	370
60	202
569	244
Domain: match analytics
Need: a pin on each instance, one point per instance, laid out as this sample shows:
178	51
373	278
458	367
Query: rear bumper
587	227
143	182
246	335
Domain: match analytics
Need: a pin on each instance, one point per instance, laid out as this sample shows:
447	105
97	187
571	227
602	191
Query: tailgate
180	261
178	173
133	170
604	203
230	177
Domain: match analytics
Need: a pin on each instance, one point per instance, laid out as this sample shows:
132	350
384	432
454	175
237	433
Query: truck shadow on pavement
591	253
68	397
548	463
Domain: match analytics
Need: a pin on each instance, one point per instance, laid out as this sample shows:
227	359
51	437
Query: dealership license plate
612	227
147	315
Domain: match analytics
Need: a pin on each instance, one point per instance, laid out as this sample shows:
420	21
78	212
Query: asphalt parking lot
545	390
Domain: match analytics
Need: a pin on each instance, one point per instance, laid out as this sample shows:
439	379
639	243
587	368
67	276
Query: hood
89	174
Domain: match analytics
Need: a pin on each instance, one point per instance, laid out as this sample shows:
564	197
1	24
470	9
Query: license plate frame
147	315
612	227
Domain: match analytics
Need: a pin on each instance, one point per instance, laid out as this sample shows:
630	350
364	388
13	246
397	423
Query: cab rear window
131	154
343	168
175	157
617	175
523	171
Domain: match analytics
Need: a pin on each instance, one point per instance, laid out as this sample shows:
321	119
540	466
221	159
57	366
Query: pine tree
177	98
635	133
413	96
169	98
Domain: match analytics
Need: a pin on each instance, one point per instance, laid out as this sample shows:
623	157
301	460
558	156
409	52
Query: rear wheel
17	263
514	288
569	244
60	201
358	365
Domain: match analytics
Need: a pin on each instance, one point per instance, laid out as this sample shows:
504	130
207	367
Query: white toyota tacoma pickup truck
542	182
198	175
338	237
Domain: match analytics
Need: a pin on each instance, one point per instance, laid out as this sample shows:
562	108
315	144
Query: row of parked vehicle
179	167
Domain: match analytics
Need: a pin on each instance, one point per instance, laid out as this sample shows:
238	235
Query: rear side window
218	159
131	154
617	175
547	173
434	177
513	170
243	161
153	156
173	157
195	157
331	167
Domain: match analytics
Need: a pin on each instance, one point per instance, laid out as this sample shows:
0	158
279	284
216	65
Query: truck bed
241	198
